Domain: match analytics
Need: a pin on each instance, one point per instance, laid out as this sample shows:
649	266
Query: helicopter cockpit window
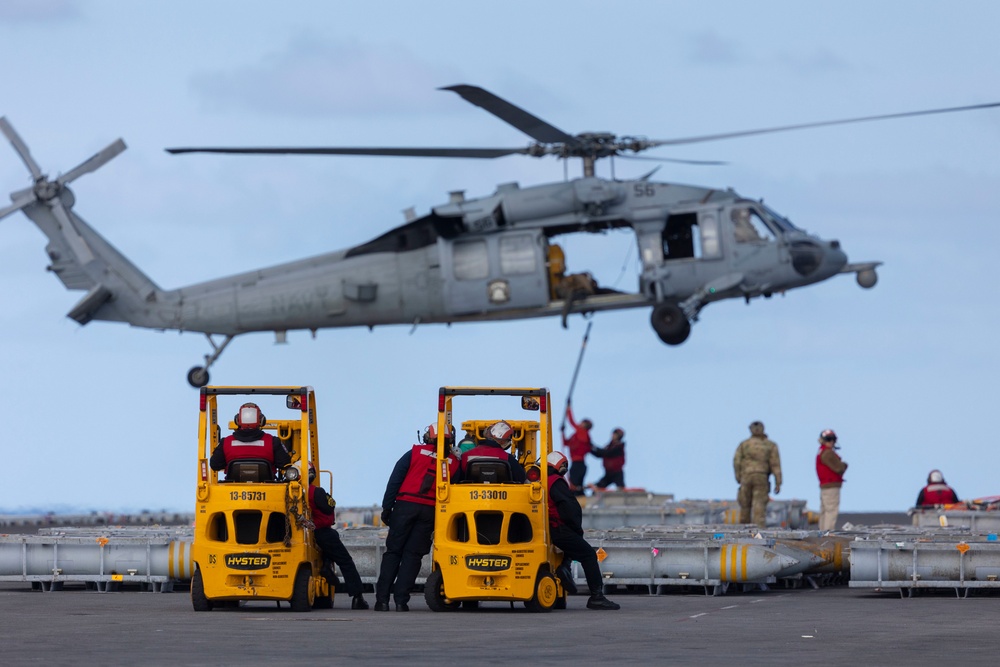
779	221
749	226
517	255
470	260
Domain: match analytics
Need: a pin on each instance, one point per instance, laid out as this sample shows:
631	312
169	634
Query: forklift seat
249	470
487	470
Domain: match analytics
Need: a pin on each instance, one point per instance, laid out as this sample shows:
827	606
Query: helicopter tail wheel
198	377
670	323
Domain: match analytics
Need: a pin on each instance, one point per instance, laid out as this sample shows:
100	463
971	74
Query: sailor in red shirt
937	492
579	445
249	441
566	528
408	510
322	509
830	470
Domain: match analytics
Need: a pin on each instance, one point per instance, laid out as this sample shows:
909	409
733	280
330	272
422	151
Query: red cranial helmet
430	435
557	460
249	417
500	433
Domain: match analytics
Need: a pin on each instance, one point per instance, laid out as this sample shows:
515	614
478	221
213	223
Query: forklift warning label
248	561
487	563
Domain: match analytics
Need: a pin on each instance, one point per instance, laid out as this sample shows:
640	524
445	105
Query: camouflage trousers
752	498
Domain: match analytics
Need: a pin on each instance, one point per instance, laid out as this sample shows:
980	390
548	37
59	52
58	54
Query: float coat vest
939	494
825	473
418	485
555	521
320	519
237	450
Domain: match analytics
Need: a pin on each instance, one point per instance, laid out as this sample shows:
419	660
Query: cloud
38	11
313	78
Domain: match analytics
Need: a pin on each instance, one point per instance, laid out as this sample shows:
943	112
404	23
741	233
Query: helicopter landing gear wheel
670	323
198	377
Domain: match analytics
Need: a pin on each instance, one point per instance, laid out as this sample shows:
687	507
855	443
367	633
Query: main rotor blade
669	159
92	163
802	126
17	205
534	127
20	147
385	152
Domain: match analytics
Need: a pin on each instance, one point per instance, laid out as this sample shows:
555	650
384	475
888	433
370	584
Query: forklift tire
301	590
560	603
546	594
434	593
323	602
198	599
670	323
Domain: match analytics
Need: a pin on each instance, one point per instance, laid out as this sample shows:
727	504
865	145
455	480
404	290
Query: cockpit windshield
779	221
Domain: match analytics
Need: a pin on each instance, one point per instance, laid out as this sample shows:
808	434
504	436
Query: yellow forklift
253	537
491	535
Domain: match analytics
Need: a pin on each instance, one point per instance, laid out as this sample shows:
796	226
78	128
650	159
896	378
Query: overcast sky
101	417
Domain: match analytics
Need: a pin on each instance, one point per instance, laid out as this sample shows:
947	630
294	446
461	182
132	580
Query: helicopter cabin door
494	272
693	250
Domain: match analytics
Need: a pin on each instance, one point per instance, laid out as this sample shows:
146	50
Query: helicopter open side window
517	255
678	236
691	236
470	260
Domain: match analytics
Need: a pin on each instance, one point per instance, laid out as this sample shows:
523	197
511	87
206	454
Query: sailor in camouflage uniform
756	458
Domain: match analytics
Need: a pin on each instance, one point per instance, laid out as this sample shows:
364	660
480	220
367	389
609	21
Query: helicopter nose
835	259
816	258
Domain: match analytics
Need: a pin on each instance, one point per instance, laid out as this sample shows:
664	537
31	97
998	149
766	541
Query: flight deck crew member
249	441
408	510
321	509
937	492
467	442
613	455
756	459
496	441
566	525
579	445
830	470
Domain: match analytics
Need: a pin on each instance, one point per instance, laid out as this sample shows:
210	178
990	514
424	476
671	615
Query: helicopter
470	259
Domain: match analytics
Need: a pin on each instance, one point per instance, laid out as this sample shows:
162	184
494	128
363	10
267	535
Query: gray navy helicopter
490	258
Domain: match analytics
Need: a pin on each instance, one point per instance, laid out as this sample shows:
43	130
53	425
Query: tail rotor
55	194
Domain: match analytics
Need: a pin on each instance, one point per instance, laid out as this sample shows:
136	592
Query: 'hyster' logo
487	563
248	561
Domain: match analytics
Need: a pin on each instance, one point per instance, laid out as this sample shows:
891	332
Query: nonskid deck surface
802	626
